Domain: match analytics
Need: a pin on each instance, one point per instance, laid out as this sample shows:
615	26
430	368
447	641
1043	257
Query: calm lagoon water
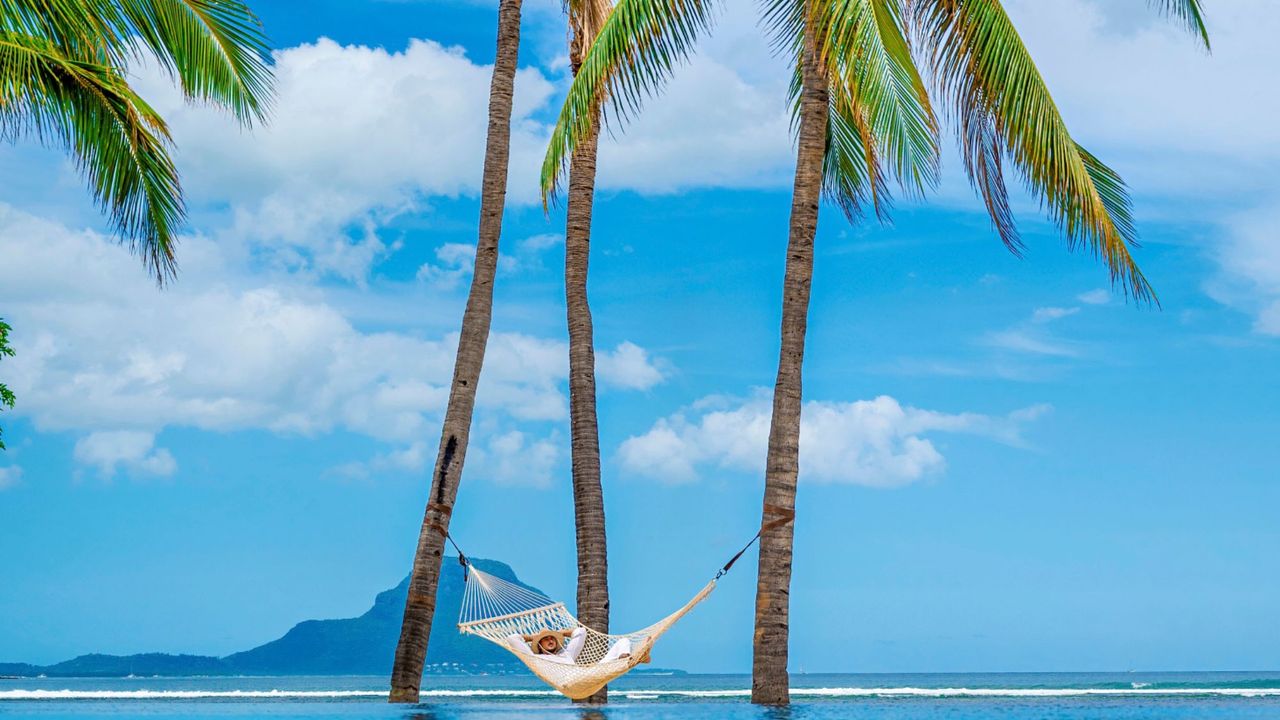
1051	696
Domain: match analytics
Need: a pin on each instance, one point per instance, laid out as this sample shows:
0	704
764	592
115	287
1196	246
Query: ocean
966	696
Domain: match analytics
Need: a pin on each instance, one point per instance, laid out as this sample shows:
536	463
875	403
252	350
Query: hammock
495	609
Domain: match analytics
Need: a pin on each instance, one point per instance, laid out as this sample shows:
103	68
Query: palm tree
63	81
863	116
585	19
411	651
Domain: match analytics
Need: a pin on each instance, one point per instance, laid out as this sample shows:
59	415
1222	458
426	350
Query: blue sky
1005	466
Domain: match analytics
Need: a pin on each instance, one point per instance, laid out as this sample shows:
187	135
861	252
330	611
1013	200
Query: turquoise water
1052	696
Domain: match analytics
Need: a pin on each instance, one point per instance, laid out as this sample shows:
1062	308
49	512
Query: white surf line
964	692
1034	692
181	694
636	694
247	694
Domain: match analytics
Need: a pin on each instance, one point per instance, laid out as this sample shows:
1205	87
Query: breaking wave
639	694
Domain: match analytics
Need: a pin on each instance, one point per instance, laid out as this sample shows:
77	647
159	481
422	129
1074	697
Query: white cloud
356	140
1027	350
132	449
711	127
361	135
410	459
878	443
1049	314
628	366
1249	257
1121	75
1032	337
358	135
1023	340
1123	84
505	458
454	262
511	458
1100	296
10	475
538	243
101	349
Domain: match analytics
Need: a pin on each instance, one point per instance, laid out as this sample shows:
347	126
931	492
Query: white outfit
620	648
568	655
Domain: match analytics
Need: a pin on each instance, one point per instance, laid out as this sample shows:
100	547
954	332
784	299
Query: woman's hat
537	641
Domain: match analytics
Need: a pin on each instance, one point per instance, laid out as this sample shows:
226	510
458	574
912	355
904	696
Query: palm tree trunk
769	682
588	496
411	652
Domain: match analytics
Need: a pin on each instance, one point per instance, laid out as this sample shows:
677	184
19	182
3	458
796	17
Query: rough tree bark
588	496
411	652
769	680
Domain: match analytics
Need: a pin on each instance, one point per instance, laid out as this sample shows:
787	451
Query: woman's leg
620	649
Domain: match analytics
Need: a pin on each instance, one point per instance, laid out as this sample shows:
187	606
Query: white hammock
494	609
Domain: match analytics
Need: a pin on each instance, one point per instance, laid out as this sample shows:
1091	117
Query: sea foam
637	694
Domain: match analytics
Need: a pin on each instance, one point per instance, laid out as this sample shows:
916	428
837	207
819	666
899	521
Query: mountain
365	645
362	645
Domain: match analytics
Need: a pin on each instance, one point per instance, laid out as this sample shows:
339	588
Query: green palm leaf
871	67
1189	13
1001	104
64	76
983	156
216	48
852	174
635	51
118	141
77	26
880	124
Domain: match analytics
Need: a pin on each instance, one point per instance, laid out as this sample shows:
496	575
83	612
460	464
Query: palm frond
1189	13
983	157
870	64
853	176
216	48
996	95
119	142
635	51
78	26
880	125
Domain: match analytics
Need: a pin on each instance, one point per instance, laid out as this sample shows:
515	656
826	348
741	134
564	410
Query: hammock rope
508	614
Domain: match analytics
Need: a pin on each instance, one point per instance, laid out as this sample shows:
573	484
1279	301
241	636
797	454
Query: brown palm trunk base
588	496
769	681
411	652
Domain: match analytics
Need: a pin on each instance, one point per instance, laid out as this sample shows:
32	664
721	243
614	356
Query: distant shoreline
445	670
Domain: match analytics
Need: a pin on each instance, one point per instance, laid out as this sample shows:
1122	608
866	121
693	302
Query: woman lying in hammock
550	646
